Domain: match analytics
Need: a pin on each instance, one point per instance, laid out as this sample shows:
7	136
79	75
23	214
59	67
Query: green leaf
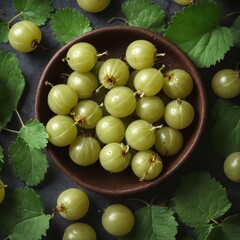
236	32
208	232
1	158
200	37
146	14
28	163
202	231
3	31
32	227
36	11
12	84
22	215
231	227
200	199
218	106
68	24
153	222
34	134
228	230
225	133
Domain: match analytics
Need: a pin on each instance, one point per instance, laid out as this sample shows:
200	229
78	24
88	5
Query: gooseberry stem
47	83
102	54
160	54
154	128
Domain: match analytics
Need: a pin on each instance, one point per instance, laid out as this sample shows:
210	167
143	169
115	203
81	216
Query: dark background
32	64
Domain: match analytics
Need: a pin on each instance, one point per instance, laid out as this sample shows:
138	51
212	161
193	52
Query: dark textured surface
32	66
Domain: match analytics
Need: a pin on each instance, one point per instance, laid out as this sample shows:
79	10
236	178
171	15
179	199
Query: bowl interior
115	41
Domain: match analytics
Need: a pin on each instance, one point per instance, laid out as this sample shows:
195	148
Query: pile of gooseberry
121	111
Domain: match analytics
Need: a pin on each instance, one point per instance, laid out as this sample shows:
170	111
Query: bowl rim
198	131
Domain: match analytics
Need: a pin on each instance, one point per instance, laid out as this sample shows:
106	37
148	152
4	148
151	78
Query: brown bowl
115	40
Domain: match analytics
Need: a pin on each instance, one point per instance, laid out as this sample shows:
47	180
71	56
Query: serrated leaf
12	84
225	133
28	163
231	227
202	38
36	11
34	134
3	31
146	14
153	222
22	213
35	226
200	199
208	232
218	106
236	32
68	23
1	158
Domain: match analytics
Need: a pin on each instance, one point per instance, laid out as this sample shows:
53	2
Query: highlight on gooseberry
118	220
72	204
24	36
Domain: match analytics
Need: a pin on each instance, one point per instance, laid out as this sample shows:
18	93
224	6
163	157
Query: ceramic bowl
115	40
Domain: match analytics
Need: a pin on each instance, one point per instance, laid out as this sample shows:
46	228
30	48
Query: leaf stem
11	130
117	18
20	119
230	14
140	200
12	19
214	221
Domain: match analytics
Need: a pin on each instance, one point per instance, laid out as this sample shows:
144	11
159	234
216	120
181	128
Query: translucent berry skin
177	84
120	102
148	81
140	135
179	114
84	150
87	113
24	36
113	72
231	167
150	109
118	220
61	99
93	6
115	157
183	2
73	204
110	129
226	83
146	165
79	231
81	57
84	84
169	141
61	130
141	54
2	191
